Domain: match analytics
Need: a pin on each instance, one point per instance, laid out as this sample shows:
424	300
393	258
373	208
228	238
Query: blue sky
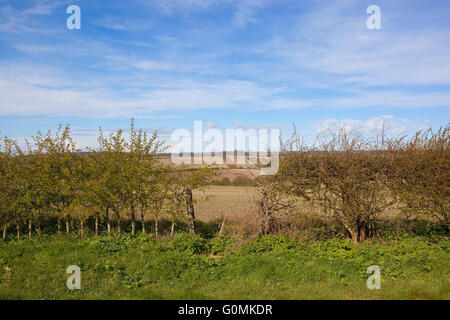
231	63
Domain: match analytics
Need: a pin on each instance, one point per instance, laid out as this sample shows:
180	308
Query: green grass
271	267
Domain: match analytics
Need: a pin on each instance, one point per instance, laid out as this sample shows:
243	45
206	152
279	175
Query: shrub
193	244
220	244
346	176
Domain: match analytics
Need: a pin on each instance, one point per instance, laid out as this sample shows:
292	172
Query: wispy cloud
372	126
18	21
33	90
171	6
124	23
332	40
248	59
245	11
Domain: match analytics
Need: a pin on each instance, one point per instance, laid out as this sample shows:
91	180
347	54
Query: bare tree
346	176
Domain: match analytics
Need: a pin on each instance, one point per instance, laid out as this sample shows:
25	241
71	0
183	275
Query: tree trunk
362	233
370	229
354	235
108	220
82	228
118	224
4	232
30	227
38	225
133	221
172	228
96	225
18	230
67	226
357	231
59	226
191	226
358	235
190	211
156	226
267	224
222	225
143	222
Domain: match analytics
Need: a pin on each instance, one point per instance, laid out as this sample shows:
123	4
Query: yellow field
223	201
233	203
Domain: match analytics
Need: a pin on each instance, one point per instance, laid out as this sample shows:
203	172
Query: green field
270	267
414	265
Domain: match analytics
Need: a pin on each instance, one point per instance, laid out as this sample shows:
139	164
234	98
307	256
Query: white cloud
32	90
326	49
120	23
88	138
19	21
244	10
334	41
372	126
169	6
40	90
122	62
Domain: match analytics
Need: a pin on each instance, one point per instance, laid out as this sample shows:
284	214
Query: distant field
234	202
218	201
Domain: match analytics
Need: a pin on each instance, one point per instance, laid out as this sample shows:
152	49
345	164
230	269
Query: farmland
231	202
214	150
137	227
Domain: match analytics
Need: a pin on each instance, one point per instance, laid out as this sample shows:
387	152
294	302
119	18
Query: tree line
50	179
354	179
